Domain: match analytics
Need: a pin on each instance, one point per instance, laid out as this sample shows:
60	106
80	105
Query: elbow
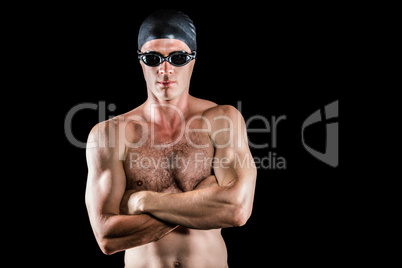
241	211
242	206
107	247
240	216
112	245
106	243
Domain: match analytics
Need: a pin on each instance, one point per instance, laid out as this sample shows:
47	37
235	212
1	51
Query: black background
288	60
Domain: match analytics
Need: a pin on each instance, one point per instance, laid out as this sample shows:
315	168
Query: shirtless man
165	177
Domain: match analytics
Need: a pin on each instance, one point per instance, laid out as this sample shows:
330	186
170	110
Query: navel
177	264
139	182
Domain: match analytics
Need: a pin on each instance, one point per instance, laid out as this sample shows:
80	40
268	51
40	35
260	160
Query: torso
172	162
166	167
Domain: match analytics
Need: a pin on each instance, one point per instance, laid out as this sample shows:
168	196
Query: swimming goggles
176	58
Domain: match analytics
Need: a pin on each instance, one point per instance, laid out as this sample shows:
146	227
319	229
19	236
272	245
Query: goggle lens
151	60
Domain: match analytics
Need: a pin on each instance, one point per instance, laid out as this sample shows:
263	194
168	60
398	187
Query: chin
168	94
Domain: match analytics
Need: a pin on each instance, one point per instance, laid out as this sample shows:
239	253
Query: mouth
165	83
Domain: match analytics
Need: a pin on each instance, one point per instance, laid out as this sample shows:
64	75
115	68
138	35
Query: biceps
231	164
104	191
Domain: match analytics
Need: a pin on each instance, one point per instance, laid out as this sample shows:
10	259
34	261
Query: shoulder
109	130
103	131
199	106
225	123
209	108
102	142
111	136
222	111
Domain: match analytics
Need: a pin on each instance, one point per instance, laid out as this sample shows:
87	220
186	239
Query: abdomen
187	247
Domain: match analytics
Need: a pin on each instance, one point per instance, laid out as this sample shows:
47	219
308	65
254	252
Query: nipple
139	183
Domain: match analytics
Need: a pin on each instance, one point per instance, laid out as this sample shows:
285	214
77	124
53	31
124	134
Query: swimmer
167	176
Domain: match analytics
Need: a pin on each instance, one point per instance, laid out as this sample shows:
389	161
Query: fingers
124	202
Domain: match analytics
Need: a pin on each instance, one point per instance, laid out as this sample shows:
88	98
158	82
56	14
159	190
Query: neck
167	113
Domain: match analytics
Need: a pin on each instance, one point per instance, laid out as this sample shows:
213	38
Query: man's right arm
106	186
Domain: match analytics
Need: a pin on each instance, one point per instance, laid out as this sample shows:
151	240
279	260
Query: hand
132	202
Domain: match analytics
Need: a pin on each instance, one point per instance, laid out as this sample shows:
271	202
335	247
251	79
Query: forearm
209	208
120	232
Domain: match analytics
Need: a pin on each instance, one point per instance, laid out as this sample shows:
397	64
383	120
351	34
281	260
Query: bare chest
176	166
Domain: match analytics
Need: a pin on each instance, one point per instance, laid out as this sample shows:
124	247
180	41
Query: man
165	177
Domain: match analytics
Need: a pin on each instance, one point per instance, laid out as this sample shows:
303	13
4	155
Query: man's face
167	82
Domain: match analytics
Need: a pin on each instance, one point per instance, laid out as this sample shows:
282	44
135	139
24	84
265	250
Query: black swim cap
169	24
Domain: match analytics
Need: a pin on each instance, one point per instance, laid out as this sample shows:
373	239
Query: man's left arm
223	200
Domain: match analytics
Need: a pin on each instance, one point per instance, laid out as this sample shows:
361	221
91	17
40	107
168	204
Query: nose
165	68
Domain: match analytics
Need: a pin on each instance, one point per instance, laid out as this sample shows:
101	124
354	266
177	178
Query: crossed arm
106	185
223	200
122	220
